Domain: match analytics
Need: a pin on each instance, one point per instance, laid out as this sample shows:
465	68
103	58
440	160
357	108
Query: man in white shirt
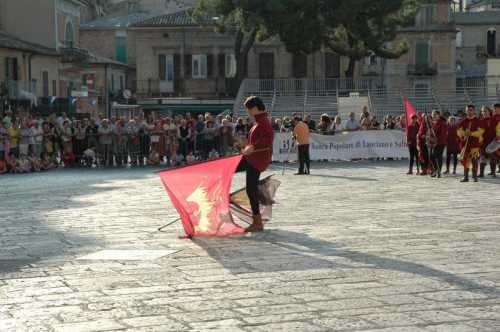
351	124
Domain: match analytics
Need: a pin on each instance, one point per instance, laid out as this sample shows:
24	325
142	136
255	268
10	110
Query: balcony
422	69
74	55
20	90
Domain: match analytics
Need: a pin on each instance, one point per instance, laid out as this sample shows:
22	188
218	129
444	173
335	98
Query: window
371	60
121	49
170	68
11	70
230	66
68	35
422	54
54	87
121	83
166	67
199	66
491	41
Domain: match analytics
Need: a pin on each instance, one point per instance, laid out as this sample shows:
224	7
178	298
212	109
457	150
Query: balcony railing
371	70
422	69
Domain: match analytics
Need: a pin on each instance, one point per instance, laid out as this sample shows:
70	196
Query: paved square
354	247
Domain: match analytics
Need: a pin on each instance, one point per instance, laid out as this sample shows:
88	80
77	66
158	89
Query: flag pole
169	224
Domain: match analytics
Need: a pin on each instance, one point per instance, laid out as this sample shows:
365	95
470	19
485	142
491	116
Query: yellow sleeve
461	132
498	129
478	133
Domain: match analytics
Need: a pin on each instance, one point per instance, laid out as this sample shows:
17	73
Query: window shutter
221	64
188	63
422	54
162	67
210	65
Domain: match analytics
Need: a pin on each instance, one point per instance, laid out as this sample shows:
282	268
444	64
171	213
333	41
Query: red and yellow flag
200	193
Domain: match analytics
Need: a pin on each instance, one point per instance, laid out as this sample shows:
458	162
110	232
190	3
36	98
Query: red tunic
261	136
495	126
453	144
440	129
489	132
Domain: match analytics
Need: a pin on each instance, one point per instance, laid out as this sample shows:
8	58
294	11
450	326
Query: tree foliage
352	28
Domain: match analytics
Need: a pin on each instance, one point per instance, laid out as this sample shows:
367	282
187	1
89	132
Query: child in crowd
213	154
35	162
47	163
177	159
190	158
3	167
154	158
89	156
24	164
68	157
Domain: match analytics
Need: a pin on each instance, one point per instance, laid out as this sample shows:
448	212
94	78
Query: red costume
471	133
440	130
423	149
453	143
261	136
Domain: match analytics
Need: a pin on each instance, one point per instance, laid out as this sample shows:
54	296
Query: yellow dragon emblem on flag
205	205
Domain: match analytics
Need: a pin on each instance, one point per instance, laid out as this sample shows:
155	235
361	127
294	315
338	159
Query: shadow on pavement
293	251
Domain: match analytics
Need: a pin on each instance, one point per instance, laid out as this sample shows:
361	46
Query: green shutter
84	80
121	49
422	54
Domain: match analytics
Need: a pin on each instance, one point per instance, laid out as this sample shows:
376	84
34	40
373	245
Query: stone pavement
356	246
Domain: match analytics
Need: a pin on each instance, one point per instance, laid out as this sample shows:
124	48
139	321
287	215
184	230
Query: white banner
346	146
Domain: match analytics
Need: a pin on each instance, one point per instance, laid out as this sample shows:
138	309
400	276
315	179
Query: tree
245	20
355	28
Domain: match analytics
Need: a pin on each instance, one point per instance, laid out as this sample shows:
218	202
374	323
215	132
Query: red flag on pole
200	193
410	111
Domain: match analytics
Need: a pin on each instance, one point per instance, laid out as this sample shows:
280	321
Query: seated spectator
24	164
365	124
12	164
213	154
190	158
374	124
154	158
68	157
286	126
310	122
89	156
276	124
351	124
325	125
3	166
36	163
337	126
47	163
176	159
389	122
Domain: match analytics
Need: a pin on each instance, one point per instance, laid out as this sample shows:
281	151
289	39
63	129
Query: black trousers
449	156
437	157
413	156
304	159
253	177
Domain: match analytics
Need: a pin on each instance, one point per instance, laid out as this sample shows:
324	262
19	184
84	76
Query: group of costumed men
472	139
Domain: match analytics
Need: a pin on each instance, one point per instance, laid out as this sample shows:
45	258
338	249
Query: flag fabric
240	204
409	112
200	193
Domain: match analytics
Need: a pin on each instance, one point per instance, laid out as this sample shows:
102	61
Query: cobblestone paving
356	246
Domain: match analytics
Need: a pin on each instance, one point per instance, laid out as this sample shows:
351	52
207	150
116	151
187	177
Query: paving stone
89	326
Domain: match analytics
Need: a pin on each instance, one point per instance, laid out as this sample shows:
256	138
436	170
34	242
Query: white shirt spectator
351	125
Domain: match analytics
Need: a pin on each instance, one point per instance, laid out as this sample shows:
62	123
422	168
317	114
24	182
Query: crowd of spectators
33	144
333	125
29	143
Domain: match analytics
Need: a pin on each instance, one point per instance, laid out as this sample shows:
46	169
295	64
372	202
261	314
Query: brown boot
256	226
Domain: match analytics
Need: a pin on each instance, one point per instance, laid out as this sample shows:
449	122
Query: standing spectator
80	141
210	135
184	135
3	144
24	138
67	136
286	126
199	136
105	140
240	133
92	133
48	141
170	130
13	132
134	142
389	123
36	139
120	143
301	134
276	125
226	138
351	124
145	140
374	124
